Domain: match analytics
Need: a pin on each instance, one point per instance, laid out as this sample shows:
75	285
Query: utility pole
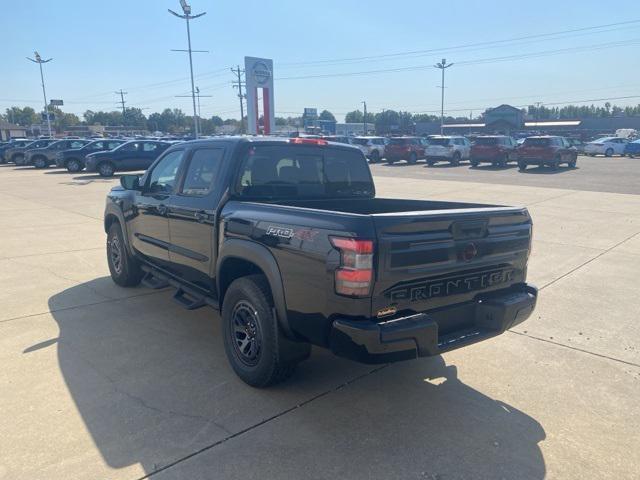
198	95
538	110
442	66
122	102
238	84
364	118
39	61
187	16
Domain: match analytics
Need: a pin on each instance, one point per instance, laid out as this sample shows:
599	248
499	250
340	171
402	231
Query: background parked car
374	147
73	160
134	155
449	149
12	144
495	149
16	154
607	146
43	157
577	144
632	149
405	148
546	150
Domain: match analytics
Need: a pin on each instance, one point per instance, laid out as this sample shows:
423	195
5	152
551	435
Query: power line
457	47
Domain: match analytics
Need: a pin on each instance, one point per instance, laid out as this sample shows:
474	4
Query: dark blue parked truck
286	238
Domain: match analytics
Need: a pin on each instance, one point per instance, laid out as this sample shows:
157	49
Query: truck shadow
152	385
548	171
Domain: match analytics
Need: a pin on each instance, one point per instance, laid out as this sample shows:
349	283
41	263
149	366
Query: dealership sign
259	76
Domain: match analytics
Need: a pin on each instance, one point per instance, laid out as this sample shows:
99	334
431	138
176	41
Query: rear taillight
354	276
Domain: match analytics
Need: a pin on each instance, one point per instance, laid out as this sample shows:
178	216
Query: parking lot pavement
104	382
597	174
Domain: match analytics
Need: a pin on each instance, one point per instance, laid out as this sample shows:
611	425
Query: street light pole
187	16
39	61
364	119
442	66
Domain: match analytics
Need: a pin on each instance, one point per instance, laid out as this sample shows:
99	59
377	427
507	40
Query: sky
328	55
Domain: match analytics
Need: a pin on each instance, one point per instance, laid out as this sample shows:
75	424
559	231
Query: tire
413	158
106	169
430	162
455	160
18	158
522	166
74	165
474	163
390	161
255	347
573	161
125	270
608	152
40	162
375	157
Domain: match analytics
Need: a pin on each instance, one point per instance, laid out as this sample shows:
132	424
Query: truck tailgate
431	259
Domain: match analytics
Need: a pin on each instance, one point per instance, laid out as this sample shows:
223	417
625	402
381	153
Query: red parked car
495	149
405	148
546	150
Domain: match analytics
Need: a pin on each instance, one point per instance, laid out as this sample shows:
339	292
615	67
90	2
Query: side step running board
188	300
151	281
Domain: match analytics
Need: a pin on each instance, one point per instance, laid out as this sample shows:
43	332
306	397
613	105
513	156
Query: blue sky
100	47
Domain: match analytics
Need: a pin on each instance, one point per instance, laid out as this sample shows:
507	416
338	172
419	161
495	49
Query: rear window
399	141
360	141
279	171
537	142
486	141
440	141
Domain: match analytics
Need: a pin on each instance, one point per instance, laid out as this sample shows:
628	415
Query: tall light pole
442	66
39	61
187	16
364	118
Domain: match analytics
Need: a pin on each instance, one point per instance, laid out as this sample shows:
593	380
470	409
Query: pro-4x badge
281	232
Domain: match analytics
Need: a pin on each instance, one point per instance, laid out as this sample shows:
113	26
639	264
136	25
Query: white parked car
449	149
607	146
373	147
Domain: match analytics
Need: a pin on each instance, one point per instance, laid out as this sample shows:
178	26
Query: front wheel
74	165
522	166
40	162
106	169
125	270
256	349
608	152
413	158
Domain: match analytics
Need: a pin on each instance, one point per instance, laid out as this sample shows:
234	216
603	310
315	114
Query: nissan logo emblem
261	73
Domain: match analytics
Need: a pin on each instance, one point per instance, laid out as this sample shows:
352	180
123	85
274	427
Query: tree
357	117
217	121
22	116
327	115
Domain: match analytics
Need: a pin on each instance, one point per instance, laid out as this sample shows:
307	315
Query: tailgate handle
469	229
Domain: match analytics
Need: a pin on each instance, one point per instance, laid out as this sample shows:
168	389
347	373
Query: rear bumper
418	335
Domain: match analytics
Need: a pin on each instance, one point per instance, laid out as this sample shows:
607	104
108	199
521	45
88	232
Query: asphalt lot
596	174
103	382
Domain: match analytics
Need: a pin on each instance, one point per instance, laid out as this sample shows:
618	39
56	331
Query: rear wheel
413	158
125	270
474	163
106	169
74	165
256	349
375	157
40	162
522	166
455	160
608	152
430	162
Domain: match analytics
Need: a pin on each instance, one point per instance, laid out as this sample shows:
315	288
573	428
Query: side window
77	144
149	147
163	176
202	170
112	145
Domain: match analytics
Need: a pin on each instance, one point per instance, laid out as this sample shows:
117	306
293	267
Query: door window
163	176
149	147
77	144
201	172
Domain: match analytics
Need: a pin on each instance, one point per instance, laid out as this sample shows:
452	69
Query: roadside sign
56	103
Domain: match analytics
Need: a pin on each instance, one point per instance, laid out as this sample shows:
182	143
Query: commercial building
10	130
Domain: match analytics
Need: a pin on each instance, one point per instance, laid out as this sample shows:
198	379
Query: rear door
149	224
427	260
192	215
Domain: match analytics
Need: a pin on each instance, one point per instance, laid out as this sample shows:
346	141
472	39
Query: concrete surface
111	383
597	174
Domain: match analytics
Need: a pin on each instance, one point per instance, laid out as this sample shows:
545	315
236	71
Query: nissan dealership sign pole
259	75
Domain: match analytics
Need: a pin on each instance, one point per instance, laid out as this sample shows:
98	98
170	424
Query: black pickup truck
286	238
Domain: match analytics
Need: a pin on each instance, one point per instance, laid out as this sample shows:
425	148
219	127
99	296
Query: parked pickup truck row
287	239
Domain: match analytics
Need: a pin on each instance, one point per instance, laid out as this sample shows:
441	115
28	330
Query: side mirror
130	182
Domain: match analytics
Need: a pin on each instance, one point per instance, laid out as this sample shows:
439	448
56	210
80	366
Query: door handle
200	217
162	210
